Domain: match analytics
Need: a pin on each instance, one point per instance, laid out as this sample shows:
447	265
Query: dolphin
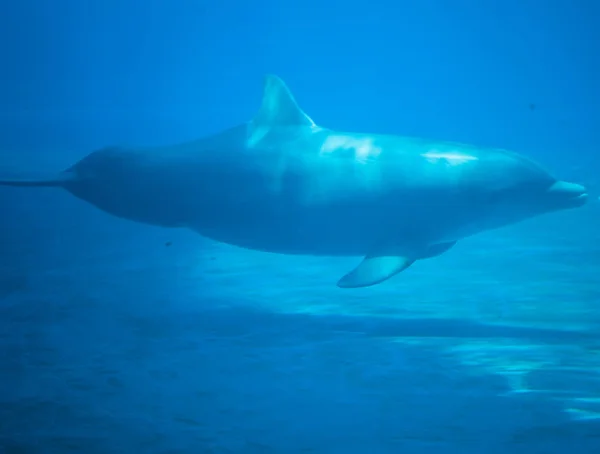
281	183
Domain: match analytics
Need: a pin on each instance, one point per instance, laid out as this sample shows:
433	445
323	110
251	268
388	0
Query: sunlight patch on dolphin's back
452	158
362	148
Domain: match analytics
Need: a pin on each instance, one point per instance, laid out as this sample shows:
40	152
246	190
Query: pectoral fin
374	270
437	249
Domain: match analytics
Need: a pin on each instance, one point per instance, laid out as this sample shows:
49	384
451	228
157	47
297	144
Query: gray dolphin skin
280	183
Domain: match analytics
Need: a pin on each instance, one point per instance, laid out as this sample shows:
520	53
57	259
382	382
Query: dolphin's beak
568	194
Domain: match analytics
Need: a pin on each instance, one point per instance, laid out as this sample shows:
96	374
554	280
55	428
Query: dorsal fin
278	108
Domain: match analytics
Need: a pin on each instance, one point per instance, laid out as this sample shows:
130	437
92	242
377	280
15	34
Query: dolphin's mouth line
570	193
576	196
578	199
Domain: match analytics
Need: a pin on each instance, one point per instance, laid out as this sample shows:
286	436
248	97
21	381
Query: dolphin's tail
35	180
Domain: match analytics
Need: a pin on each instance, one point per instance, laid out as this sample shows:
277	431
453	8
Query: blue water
117	337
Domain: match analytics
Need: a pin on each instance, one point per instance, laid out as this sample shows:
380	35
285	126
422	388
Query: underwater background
120	337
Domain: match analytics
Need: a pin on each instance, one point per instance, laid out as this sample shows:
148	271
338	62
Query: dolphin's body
280	183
